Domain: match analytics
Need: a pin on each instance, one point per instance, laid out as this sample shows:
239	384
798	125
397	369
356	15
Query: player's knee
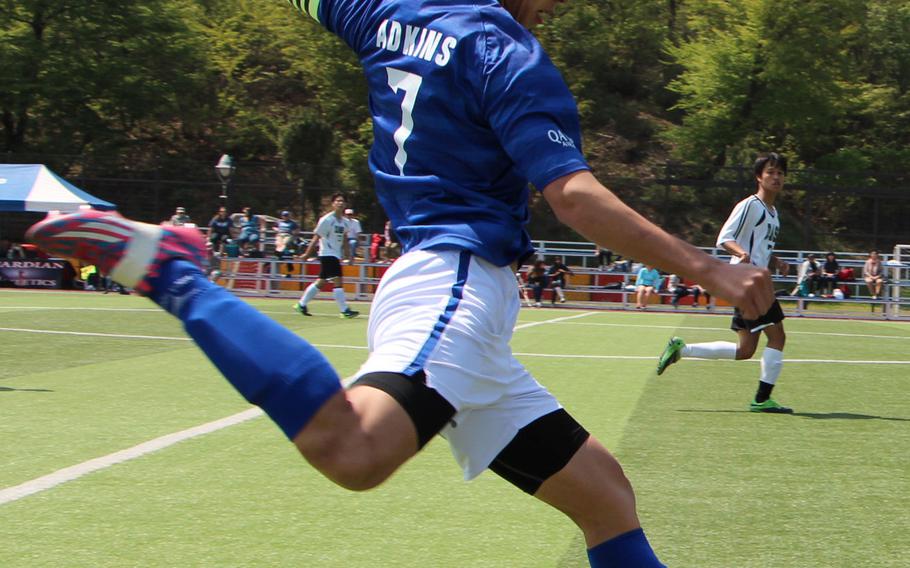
357	469
745	352
359	475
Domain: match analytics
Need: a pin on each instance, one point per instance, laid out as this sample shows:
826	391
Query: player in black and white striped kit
749	235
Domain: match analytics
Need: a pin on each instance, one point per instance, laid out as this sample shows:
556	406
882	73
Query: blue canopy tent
34	187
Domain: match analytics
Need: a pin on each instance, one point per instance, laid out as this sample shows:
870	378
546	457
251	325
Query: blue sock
628	550
269	365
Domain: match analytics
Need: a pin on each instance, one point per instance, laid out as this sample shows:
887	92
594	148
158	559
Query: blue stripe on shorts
464	261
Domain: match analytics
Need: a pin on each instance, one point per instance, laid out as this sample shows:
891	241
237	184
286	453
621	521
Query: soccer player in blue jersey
467	109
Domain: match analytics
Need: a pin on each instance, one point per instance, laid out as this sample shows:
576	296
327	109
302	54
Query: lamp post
225	170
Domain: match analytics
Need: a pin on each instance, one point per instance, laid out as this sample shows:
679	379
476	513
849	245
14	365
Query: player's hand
747	287
745	258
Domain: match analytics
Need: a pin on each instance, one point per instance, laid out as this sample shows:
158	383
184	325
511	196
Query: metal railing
590	287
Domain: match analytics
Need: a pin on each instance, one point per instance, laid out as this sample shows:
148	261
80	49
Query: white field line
555	320
518	327
60	476
754	360
696	328
64	475
562	320
172	338
92	334
54	308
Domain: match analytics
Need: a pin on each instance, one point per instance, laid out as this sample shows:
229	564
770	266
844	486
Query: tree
307	151
98	76
761	74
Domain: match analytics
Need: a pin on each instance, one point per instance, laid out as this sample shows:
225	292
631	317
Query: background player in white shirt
749	235
330	234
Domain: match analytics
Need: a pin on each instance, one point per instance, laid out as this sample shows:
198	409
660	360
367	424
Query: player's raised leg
677	349
269	365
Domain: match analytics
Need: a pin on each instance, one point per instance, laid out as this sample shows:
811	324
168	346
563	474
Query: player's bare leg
358	438
593	491
602	504
748	343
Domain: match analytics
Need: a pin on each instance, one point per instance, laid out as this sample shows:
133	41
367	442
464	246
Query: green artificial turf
717	486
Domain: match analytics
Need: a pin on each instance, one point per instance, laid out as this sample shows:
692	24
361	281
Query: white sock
308	294
338	292
772	360
559	292
712	350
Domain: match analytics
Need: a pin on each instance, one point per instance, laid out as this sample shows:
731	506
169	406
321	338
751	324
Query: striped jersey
754	227
331	230
467	110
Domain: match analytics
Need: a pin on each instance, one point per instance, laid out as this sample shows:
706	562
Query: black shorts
537	452
330	267
773	316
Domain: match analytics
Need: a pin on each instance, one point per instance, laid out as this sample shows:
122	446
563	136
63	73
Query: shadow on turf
8	389
815	415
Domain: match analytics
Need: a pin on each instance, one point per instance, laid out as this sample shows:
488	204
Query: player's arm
323	230
738	222
734	249
583	203
310	247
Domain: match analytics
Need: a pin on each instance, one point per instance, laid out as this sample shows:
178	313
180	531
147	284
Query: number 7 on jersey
410	84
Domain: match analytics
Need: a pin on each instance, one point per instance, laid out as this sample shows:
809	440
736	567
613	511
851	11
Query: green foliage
157	88
820	81
92	77
610	59
307	150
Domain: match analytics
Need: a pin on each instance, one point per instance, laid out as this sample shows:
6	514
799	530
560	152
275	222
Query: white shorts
452	314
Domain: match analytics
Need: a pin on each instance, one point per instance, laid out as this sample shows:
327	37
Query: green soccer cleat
349	313
770	406
671	354
301	310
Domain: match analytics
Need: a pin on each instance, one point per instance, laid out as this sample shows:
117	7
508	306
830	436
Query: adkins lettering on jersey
415	41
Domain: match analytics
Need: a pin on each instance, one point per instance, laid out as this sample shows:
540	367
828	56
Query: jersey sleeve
530	107
324	227
738	222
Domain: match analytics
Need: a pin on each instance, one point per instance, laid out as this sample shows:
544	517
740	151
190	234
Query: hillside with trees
137	100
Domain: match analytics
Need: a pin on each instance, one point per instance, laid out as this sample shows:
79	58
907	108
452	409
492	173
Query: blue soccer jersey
467	109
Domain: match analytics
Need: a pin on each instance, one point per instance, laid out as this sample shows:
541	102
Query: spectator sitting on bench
807	277
250	229
828	276
287	229
680	290
179	218
220	231
873	274
536	279
647	282
558	274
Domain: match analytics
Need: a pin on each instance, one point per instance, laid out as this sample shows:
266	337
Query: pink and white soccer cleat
130	252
